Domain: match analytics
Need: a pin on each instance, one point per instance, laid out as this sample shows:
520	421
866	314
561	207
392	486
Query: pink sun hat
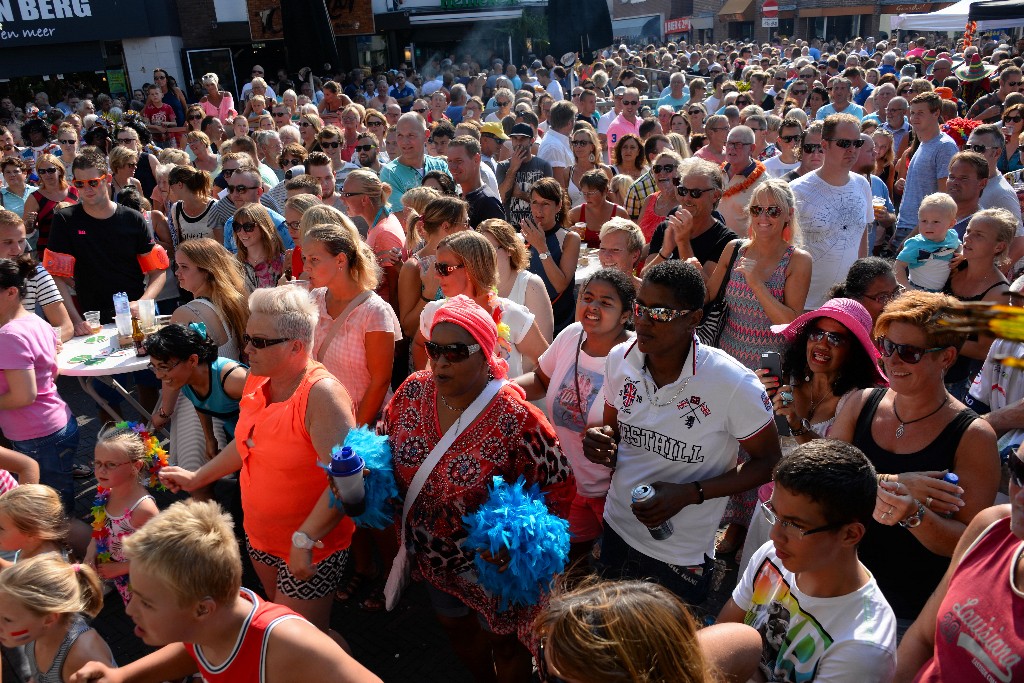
848	313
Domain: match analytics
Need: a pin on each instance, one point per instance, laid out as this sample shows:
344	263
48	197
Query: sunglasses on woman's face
446	269
831	338
908	353
580	143
375	124
1013	119
196	117
772	211
453	353
46	171
245	227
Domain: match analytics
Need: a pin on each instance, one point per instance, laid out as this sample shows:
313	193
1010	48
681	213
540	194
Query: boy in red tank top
186	576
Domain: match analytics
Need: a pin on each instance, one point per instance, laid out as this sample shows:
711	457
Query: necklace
651	392
755	175
449	406
903	424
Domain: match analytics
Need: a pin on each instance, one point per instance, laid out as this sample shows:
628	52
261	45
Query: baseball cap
536	64
620	91
522	130
495	129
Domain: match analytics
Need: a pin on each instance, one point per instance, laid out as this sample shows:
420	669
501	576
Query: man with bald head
941	70
407	171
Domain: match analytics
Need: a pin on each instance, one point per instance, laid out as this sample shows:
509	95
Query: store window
741	30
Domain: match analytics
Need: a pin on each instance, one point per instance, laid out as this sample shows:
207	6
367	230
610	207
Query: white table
92	357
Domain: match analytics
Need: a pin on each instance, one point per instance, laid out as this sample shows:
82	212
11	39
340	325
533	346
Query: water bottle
121	304
953	479
347	471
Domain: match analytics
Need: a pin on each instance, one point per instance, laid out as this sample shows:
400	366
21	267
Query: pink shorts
585	519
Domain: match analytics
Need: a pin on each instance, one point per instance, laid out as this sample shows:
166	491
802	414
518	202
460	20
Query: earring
490	374
592	157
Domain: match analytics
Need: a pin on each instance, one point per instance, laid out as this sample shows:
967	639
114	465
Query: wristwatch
302	541
805	427
544	256
914	520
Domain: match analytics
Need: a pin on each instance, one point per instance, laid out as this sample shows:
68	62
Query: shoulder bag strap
728	271
339	322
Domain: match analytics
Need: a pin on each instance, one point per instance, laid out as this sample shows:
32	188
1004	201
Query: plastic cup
93	318
147	313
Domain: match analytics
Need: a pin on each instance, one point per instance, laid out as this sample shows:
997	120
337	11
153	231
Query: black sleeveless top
964	367
906	571
563	303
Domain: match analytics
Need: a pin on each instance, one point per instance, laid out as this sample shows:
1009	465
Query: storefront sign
31	22
116	82
680	25
348	18
914	8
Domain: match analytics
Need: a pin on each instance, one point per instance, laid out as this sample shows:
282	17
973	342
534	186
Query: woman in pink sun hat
828	356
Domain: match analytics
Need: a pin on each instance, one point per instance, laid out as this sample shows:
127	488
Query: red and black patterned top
511	437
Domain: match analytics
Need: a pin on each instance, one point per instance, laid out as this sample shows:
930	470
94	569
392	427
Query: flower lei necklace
154	459
739	188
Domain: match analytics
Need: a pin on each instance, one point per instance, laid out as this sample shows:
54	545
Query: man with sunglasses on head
989	109
104	248
834	208
790	134
817	607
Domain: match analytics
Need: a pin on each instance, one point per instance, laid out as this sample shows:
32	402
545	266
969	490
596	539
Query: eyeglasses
772	211
790	527
241	189
658	315
49	171
446	269
67	142
885	297
91	182
290	162
980	149
332	145
305	124
347	195
695	112
831	338
908	353
811	148
695	193
502	103
737	145
790	138
580	143
1014	84
163	369
798	92
364	148
108	466
542	667
1016	466
453	353
630	103
663	168
420	111
261	343
126	140
843	143
375	124
292	225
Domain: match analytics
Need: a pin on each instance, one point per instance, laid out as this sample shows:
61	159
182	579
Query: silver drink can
646	492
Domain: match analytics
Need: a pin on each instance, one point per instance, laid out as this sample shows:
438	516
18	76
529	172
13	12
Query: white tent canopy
952	18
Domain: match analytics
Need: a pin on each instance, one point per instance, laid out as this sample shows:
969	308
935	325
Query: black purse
710	329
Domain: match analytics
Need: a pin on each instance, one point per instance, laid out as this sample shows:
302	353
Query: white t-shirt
715	403
999	195
832	221
518	318
850	638
605	121
562	406
997	386
556	150
777	168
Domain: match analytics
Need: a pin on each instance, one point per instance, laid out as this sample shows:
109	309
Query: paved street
401	647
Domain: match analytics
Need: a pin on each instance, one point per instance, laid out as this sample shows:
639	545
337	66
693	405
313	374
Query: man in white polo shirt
674	416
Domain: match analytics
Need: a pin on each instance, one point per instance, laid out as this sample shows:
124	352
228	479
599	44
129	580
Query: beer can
646	492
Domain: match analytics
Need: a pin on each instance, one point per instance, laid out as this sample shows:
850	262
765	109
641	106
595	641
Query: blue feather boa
381	489
538	542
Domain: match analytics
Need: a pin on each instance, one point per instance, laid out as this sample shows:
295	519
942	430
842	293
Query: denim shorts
55	454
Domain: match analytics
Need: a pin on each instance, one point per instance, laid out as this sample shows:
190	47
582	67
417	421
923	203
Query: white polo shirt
715	403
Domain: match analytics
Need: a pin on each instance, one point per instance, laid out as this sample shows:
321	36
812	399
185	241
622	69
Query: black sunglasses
196	117
446	269
694	193
630	102
908	353
811	148
1016	466
228	172
290	162
663	168
980	149
332	145
364	148
453	353
46	171
790	138
772	211
261	343
843	143
244	227
1013	119
234	189
580	143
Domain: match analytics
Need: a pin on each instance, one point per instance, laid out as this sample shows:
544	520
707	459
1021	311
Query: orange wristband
58	264
156	259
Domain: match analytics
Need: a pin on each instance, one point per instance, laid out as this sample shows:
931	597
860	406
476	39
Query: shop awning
634	26
463	17
63	58
737	10
847	11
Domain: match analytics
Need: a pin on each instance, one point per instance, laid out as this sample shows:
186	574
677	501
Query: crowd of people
694	294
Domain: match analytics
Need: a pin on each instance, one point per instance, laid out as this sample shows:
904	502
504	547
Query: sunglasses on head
831	338
663	168
658	315
446	269
811	148
843	143
364	148
908	353
245	227
772	211
91	182
695	193
453	353
261	343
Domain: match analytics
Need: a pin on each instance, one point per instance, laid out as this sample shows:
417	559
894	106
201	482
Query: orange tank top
280	480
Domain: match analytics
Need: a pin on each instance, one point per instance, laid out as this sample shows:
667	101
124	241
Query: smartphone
772	362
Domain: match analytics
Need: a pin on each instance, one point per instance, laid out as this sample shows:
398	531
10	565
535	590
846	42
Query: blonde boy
924	262
186	576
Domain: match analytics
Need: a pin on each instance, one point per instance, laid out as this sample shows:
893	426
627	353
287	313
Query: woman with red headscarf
452	428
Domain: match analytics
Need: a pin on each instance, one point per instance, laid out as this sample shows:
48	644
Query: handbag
713	321
398	577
